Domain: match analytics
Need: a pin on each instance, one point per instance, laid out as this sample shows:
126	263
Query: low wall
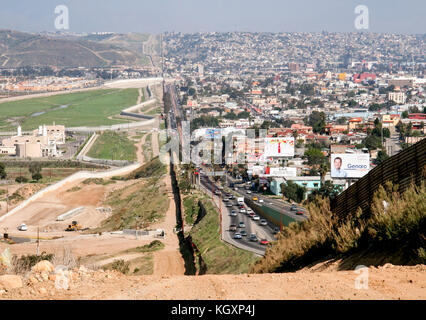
114	127
269	214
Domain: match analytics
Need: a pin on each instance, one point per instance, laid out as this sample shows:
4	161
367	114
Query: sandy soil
387	282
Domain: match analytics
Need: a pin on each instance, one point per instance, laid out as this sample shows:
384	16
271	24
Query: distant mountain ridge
18	49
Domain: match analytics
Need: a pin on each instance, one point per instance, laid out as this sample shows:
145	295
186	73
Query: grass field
89	108
113	146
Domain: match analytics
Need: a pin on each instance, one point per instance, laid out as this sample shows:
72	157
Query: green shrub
21	179
120	266
26	262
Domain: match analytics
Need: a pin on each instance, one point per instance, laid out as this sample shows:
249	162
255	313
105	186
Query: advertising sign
349	165
283	172
279	147
213	133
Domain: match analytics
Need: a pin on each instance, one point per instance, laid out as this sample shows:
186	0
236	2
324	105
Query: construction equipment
74	227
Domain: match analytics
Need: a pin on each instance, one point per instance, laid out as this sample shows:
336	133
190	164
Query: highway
262	232
251	226
276	204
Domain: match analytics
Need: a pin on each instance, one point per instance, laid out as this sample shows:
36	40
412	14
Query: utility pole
38	241
7	199
220	212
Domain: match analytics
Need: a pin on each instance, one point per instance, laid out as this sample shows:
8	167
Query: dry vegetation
394	231
141	203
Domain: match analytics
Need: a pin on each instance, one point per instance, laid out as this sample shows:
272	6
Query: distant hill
19	49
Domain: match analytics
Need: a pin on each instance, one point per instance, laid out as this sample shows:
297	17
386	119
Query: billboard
283	172
213	134
347	165
279	147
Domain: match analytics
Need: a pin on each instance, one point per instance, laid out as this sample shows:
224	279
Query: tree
381	156
342	120
372	142
293	191
37	176
21	179
404	114
315	156
323	171
243	115
3	173
327	190
34	168
317	121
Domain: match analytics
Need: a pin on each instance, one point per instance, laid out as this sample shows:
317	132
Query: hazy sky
154	16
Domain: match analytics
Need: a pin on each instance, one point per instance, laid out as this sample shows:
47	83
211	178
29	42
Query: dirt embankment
387	282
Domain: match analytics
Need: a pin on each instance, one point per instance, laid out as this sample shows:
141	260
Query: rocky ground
43	282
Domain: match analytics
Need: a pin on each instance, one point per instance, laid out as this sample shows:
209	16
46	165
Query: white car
256	218
23	227
261	201
249	210
248	192
242	210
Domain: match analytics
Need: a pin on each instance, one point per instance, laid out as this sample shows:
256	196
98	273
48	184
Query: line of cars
238	235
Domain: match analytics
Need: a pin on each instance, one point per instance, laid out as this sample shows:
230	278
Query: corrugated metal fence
401	169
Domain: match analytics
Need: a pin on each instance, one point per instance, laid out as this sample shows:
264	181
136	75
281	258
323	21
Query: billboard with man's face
349	165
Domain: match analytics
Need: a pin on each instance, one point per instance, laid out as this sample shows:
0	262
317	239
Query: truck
240	200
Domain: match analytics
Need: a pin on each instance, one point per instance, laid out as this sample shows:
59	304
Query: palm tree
323	171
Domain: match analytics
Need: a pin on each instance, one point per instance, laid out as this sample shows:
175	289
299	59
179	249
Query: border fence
402	169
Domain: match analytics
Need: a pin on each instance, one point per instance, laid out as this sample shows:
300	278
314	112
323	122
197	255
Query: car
248	192
217	192
264	242
253	237
229	204
256	218
243	233
261	201
225	199
276	230
233	227
263	222
251	214
238	236
293	207
241	225
249	210
243	211
231	197
236	189
233	213
255	199
300	213
23	227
